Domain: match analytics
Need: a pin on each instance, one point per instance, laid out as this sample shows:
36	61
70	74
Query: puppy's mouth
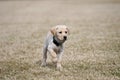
63	39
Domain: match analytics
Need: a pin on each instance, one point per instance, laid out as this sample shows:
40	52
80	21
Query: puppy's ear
68	30
53	30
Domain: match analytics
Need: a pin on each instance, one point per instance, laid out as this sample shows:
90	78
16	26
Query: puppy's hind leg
44	57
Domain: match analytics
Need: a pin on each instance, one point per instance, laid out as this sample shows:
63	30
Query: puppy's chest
57	49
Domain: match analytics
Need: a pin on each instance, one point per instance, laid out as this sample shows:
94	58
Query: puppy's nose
65	37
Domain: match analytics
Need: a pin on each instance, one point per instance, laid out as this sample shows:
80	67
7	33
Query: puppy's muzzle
65	37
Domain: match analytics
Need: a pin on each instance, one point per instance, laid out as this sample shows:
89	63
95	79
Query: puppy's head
60	32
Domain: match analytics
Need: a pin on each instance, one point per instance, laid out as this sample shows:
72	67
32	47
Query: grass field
92	51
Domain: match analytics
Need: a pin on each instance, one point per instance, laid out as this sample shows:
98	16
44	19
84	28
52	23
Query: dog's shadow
49	64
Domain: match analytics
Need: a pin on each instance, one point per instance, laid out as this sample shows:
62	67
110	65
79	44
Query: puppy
54	45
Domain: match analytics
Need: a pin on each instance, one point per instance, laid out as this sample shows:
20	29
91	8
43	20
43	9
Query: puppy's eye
66	32
60	32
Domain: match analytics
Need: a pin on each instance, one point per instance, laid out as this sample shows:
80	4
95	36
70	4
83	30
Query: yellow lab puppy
54	44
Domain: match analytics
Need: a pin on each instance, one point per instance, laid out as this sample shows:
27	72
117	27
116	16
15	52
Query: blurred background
92	51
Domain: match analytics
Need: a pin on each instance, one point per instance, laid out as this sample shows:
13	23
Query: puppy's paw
59	67
43	64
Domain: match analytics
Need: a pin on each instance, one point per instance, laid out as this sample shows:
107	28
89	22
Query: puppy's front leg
59	56
53	54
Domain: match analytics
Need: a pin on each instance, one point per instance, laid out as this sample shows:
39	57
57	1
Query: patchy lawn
92	51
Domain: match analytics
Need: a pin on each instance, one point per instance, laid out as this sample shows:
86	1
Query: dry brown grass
92	51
